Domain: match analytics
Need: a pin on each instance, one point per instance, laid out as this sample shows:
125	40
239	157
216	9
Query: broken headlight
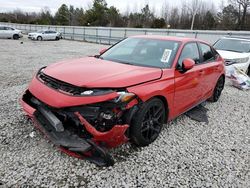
124	97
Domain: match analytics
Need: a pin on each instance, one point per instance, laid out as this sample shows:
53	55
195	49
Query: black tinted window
189	51
207	53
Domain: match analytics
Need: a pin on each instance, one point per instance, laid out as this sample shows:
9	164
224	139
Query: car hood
96	73
232	55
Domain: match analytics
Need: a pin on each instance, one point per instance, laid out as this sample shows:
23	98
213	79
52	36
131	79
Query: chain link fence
111	35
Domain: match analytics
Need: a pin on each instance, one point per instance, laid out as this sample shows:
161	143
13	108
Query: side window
2	28
8	28
206	53
191	51
47	32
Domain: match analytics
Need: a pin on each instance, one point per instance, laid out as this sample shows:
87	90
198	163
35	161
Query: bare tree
193	8
243	5
165	11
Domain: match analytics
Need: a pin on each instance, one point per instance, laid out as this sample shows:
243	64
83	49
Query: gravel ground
187	153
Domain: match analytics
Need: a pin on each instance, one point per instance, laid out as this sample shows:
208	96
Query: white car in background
45	35
235	51
10	32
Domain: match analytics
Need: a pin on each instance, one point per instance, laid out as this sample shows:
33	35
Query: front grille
59	85
70	89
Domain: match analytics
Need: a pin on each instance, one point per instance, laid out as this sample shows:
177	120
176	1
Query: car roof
172	38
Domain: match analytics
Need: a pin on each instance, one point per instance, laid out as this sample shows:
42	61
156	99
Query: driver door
188	84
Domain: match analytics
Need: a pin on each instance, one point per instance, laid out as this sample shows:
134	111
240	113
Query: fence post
109	35
84	34
96	35
73	34
196	33
125	33
64	32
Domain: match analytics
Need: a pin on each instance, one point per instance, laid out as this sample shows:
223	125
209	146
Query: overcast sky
122	5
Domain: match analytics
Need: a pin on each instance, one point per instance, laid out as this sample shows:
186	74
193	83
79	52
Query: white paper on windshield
166	56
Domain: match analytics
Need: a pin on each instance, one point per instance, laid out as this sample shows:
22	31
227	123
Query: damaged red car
126	93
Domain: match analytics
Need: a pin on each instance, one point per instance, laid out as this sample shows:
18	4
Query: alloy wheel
152	122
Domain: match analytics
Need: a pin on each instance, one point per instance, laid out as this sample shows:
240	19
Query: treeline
196	14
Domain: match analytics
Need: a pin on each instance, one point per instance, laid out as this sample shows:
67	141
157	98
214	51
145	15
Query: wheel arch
165	102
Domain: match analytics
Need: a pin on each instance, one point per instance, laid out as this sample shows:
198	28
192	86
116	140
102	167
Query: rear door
52	35
211	68
9	32
188	84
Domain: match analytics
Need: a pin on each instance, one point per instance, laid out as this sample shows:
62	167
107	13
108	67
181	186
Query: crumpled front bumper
93	149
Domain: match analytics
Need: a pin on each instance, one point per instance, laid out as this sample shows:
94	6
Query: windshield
143	52
235	45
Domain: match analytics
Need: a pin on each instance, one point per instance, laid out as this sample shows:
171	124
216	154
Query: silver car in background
7	32
45	35
235	51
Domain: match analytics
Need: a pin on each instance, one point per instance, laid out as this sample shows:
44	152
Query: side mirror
103	51
187	64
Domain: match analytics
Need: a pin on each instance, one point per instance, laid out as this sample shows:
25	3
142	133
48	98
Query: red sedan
126	93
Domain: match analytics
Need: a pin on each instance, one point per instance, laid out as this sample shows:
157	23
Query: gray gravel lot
187	154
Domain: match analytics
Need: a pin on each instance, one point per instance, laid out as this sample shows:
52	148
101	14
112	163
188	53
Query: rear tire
15	37
39	38
218	89
147	122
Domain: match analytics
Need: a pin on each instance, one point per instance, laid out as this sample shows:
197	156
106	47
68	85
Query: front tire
147	122
15	37
39	38
57	38
218	89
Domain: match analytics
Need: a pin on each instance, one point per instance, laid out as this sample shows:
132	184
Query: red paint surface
113	138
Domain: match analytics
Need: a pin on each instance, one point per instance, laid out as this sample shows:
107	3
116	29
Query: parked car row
12	33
